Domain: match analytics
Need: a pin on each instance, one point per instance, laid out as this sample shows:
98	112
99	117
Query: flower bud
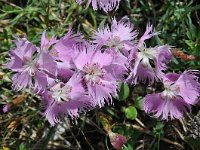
117	140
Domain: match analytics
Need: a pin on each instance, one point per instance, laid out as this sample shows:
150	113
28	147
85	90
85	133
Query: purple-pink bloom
118	68
147	64
65	99
118	41
117	140
30	66
119	37
7	107
101	85
180	92
106	5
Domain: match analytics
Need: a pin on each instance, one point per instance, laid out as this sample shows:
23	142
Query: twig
188	115
78	144
140	122
141	146
179	133
198	20
90	122
86	139
183	125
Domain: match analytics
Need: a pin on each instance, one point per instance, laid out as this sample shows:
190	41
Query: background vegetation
24	127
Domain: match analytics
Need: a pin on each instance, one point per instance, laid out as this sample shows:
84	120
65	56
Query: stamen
171	90
93	73
115	42
61	93
31	66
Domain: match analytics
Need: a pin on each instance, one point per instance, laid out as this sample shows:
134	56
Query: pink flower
118	41
65	99
147	64
92	66
7	107
106	5
181	91
117	140
119	37
28	65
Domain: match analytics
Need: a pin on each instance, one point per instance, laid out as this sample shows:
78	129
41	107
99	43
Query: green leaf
159	126
189	35
193	32
130	112
22	147
123	91
138	103
158	129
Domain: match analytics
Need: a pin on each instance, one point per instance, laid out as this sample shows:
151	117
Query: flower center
61	93
31	66
93	72
115	42
171	90
146	54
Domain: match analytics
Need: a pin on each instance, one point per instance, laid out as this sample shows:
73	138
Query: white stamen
170	91
147	54
93	73
115	42
61	93
31	66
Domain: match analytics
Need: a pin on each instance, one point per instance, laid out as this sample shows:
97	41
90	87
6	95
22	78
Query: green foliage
158	129
138	103
130	112
123	91
22	147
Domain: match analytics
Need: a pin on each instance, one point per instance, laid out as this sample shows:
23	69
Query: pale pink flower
106	5
118	41
30	66
117	140
148	64
65	99
180	92
101	85
119	37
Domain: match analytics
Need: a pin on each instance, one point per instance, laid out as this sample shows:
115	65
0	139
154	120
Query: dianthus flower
147	64
119	37
65	99
92	64
117	140
117	40
180	92
106	5
30	66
